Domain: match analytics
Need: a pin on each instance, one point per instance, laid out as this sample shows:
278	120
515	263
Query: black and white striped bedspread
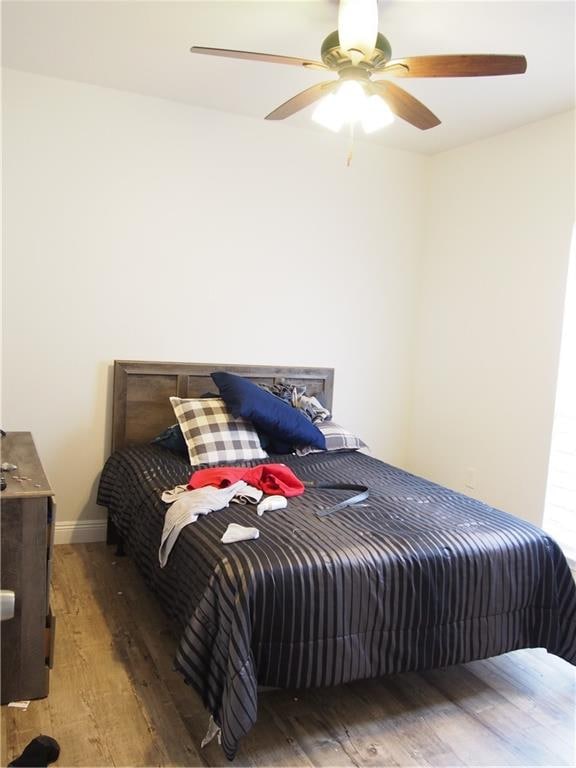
421	577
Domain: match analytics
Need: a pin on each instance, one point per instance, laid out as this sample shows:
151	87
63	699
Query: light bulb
358	28
347	105
351	101
328	113
375	114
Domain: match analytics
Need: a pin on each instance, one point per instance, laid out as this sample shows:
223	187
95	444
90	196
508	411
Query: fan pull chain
350	146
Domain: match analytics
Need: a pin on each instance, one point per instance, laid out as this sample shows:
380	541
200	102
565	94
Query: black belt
361	495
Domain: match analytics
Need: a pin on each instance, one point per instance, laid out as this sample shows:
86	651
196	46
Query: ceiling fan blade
404	105
303	99
270	58
460	65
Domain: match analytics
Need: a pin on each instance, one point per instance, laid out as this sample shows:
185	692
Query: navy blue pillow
275	445
281	422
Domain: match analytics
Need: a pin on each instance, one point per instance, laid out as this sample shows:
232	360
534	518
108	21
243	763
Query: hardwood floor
115	700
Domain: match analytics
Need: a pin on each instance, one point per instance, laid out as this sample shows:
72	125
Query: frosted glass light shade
328	113
358	27
376	114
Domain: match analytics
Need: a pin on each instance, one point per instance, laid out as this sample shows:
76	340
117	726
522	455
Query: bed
417	577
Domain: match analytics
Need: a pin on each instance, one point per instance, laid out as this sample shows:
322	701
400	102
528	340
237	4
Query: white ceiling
143	47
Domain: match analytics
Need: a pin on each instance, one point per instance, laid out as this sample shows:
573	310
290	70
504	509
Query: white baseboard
79	531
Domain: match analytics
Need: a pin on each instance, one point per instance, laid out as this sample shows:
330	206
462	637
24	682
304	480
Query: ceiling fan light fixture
376	114
345	106
358	27
349	105
328	113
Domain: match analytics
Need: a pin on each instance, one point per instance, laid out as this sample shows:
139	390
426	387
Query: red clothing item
275	479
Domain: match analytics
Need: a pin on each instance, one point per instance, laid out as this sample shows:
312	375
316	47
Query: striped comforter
420	577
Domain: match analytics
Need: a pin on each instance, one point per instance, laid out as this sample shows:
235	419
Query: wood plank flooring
115	700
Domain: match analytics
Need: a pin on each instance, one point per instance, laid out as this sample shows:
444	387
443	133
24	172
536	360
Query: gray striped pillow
337	439
212	434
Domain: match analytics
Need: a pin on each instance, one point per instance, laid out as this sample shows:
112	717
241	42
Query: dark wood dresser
27	519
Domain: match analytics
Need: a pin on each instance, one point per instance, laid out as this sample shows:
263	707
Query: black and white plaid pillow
212	434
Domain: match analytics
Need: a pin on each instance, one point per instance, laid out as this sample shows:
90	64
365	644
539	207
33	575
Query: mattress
417	577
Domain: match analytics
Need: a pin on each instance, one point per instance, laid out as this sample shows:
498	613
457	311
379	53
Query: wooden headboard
142	409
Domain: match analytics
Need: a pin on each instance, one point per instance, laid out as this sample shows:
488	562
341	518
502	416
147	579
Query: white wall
143	229
499	220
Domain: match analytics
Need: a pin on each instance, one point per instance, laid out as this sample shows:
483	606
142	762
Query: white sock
236	532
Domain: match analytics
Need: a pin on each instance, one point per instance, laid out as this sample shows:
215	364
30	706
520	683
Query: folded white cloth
236	532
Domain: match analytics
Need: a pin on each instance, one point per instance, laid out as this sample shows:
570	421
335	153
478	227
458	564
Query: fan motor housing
335	58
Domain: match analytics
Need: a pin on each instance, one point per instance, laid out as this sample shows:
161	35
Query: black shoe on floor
41	751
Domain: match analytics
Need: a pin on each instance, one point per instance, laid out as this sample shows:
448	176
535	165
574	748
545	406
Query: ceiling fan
360	55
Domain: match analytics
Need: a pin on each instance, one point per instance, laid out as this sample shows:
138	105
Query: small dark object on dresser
2	483
39	753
